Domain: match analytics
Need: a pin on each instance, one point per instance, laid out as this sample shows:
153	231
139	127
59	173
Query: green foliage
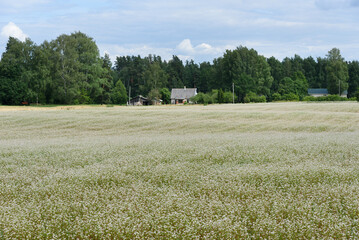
154	78
337	72
330	98
276	97
297	85
165	95
17	74
357	95
252	97
290	97
228	97
353	82
119	94
154	95
69	70
203	98
220	97
310	99
175	71
249	72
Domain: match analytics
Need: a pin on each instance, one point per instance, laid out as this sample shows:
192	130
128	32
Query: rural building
138	101
182	95
319	92
156	101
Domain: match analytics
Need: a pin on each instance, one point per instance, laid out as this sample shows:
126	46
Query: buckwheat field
253	171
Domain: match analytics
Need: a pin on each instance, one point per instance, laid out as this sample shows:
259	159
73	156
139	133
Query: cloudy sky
192	29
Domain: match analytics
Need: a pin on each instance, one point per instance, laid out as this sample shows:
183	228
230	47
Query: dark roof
183	93
322	91
317	91
138	97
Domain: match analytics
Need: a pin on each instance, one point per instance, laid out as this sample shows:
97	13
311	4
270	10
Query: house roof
322	91
317	91
183	93
138	97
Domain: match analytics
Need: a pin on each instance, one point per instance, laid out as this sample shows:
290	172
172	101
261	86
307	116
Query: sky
191	29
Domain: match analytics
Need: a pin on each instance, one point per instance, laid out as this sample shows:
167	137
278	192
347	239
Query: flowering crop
262	171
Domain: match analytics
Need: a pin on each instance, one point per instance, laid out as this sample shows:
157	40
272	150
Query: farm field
255	171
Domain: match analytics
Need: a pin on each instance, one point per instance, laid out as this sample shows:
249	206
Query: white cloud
186	47
11	30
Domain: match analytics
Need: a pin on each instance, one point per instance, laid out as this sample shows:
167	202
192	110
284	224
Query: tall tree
119	94
16	72
175	70
321	71
207	78
191	75
249	72
337	72
76	69
276	72
154	77
353	69
309	68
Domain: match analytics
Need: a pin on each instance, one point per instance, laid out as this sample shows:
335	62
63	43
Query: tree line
70	70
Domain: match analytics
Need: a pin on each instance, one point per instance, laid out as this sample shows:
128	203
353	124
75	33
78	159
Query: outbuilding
138	101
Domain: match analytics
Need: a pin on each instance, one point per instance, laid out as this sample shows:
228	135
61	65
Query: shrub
228	97
290	97
252	97
203	98
329	98
276	97
165	95
309	99
357	95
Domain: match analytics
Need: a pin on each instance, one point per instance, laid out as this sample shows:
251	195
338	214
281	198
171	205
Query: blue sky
192	29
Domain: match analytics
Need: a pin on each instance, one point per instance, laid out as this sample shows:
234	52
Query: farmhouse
182	95
138	101
319	92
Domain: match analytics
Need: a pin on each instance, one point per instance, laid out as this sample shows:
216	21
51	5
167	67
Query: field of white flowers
262	171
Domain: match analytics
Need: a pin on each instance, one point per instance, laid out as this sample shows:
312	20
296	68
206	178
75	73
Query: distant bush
285	97
290	97
309	99
228	97
276	97
203	98
329	98
252	97
357	95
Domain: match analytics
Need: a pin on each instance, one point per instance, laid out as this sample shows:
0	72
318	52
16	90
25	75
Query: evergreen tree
353	69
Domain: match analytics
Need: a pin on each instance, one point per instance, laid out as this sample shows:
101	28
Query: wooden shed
138	101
